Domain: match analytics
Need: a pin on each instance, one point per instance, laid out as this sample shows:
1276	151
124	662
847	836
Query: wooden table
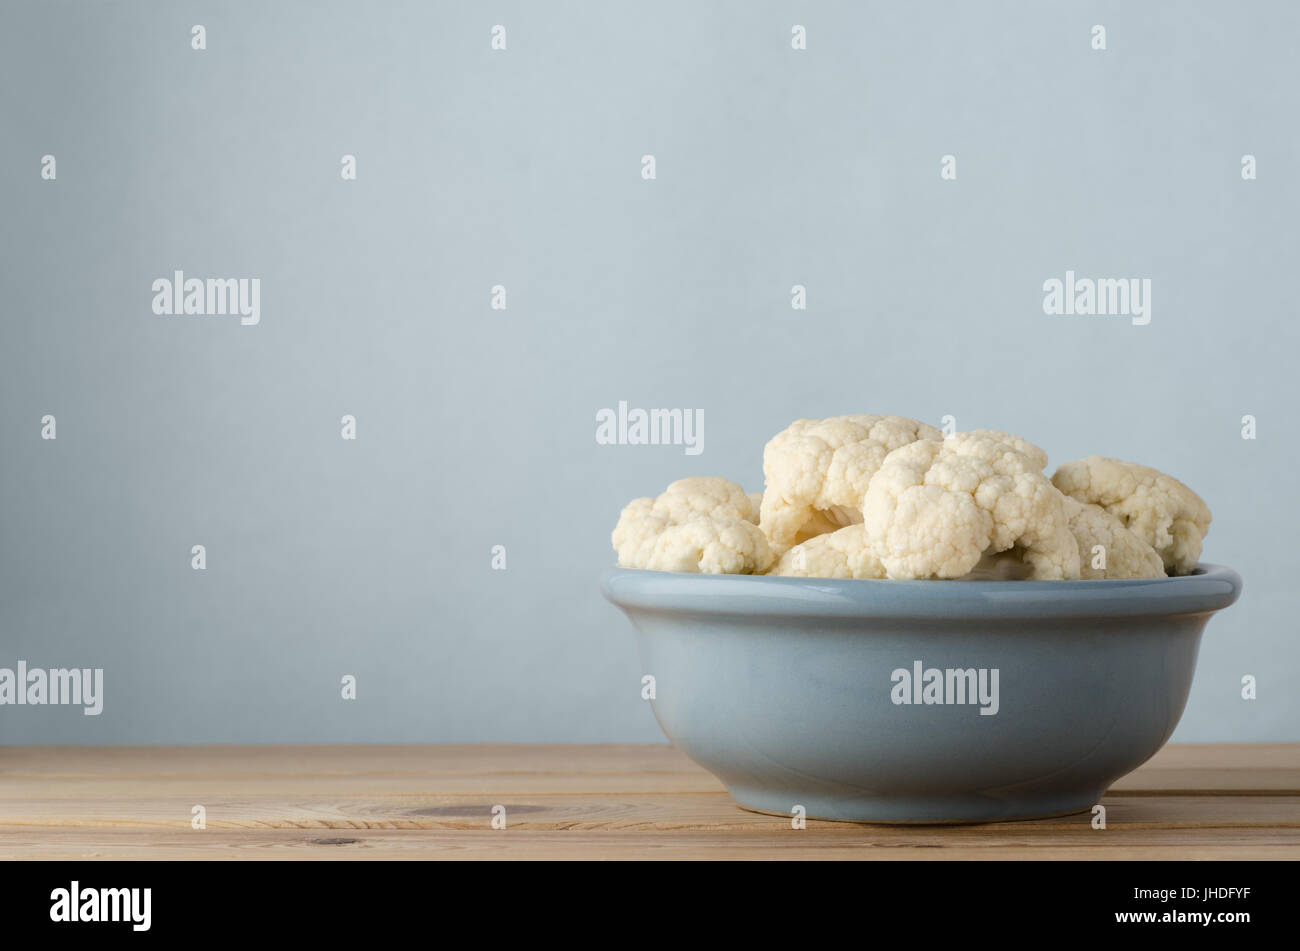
579	802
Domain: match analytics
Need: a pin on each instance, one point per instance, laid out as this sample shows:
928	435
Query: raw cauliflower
1122	553
1159	509
934	509
839	554
1023	446
817	472
846	553
702	524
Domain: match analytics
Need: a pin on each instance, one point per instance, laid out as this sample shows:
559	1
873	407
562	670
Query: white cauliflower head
1159	509
1106	548
935	509
817	472
702	524
839	554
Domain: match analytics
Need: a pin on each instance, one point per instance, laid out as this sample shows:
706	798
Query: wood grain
579	802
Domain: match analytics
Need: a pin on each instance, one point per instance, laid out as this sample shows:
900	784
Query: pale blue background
477	427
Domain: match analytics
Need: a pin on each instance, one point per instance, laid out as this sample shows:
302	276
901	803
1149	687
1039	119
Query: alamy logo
58	686
654	427
103	904
1103	297
950	685
209	297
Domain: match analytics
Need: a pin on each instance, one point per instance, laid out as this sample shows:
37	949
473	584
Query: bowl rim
1210	588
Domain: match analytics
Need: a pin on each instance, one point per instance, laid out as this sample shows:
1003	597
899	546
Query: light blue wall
476	427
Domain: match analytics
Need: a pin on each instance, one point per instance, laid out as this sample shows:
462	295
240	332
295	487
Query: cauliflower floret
1022	446
846	553
936	508
839	554
1159	509
701	524
704	495
1125	554
817	472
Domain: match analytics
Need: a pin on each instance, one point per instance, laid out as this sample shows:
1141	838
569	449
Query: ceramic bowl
918	701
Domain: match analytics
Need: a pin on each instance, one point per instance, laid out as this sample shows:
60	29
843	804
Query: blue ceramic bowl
918	701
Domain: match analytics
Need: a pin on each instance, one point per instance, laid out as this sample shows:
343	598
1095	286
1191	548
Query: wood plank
524	767
1223	768
559	811
578	844
1182	768
624	802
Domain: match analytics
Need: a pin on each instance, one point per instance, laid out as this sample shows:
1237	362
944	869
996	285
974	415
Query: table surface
1230	801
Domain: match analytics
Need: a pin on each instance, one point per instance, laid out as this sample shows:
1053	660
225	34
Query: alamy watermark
1102	297
75	903
209	297
949	685
651	427
58	686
